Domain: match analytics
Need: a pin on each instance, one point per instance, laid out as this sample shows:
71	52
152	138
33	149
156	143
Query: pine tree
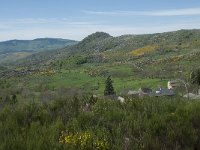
109	89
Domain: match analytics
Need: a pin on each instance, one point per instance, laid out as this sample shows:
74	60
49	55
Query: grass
123	78
135	84
124	75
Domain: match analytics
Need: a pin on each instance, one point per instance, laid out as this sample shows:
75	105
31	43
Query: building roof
163	92
145	90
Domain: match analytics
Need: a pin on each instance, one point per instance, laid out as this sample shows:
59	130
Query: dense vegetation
151	123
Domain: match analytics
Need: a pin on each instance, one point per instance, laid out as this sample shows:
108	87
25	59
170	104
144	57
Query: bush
147	123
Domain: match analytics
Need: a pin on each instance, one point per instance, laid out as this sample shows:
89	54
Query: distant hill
17	49
40	44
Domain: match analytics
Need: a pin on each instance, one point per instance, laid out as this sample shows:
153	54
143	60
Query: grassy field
123	77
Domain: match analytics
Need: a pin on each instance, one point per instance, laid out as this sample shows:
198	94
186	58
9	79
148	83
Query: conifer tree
109	89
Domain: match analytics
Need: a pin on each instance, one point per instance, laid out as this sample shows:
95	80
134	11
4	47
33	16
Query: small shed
173	84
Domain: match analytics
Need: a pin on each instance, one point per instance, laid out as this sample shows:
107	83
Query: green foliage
109	89
81	60
64	123
195	77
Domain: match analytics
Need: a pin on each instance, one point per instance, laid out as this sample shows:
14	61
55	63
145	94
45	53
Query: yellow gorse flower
144	50
83	140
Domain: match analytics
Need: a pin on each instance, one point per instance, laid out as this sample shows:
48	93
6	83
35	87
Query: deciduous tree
195	77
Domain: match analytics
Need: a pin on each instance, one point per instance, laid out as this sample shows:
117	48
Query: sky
76	19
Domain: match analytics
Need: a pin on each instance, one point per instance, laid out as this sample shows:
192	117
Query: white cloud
172	12
27	21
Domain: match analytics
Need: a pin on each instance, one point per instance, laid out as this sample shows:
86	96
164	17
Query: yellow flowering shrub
144	50
83	140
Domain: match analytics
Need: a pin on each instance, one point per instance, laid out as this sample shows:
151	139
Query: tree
109	89
14	98
195	77
186	85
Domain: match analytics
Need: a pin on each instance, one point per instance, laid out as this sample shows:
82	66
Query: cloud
28	21
12	23
159	13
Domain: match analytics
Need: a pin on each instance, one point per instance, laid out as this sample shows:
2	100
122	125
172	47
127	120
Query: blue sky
75	19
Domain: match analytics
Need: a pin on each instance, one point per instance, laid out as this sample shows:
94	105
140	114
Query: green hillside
39	44
102	44
13	50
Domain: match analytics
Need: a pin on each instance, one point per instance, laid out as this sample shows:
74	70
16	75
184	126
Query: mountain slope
40	44
169	40
13	50
118	48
